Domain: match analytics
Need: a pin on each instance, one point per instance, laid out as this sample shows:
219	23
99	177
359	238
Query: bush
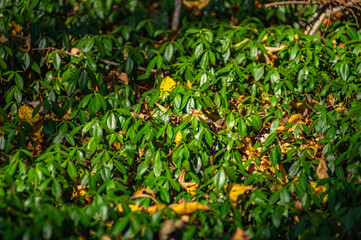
113	126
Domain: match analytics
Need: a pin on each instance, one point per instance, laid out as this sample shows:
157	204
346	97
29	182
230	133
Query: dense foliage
113	126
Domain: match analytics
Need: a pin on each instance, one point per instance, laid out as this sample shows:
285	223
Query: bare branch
276	4
176	15
328	13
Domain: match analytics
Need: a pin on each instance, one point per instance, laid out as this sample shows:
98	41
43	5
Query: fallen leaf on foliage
319	190
189	84
26	47
304	107
167	85
178	137
236	190
76	51
132	207
243	41
15	28
81	192
322	169
114	77
154	208
163	109
311	145
240	234
196	6
190	187
143	193
169	226
188	207
26	114
295	118
3	38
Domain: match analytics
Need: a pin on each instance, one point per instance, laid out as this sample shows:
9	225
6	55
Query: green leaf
164	195
208	137
352	33
83	79
205	60
91	63
345	71
168	54
94	105
87	45
276	218
258	72
111	121
18	95
73	173
56	61
129	64
178	101
19	81
158	165
220	179
273	157
12	168
208	35
142	167
25	61
284	195
56	189
198	51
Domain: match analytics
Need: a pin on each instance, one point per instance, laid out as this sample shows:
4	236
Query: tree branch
276	4
328	13
176	15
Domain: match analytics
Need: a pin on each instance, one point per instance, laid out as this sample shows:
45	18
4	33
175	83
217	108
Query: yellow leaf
26	114
190	187
265	37
167	85
319	190
188	207
295	118
178	137
189	84
236	190
155	208
132	207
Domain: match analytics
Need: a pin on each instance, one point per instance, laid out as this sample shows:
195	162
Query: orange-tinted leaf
240	234
188	207
295	118
322	169
236	190
155	208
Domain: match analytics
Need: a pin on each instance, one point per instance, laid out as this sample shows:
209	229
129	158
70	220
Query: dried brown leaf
240	234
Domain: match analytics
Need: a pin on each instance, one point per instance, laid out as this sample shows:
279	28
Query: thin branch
99	60
328	13
276	4
176	15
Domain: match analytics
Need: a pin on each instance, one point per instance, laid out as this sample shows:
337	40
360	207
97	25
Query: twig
328	13
276	4
99	60
176	15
